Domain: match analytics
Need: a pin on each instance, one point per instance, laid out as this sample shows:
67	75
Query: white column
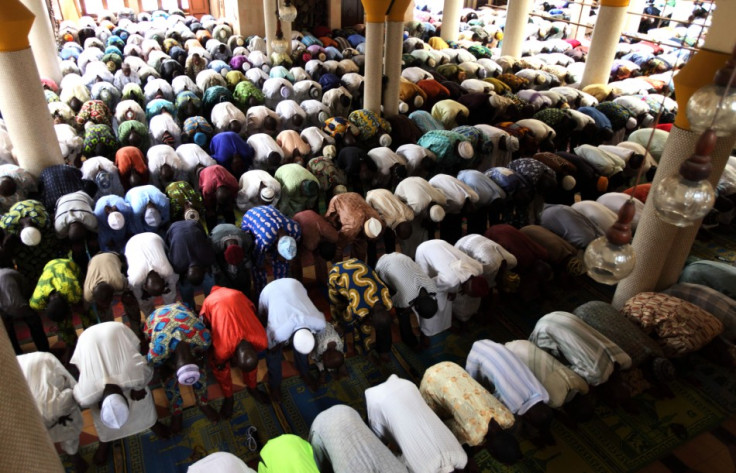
269	20
394	35
451	20
606	35
43	41
579	13
373	66
517	14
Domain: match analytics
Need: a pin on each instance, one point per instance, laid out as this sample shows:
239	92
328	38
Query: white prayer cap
465	150
568	183
372	228
303	341
436	213
116	220
340	189
30	236
287	247
267	195
152	217
115	411
329	151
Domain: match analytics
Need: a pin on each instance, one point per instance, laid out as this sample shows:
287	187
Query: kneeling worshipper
412	292
113	384
52	387
149	272
471	412
220	462
426	202
237	338
218	188
645	353
397	412
192	256
589	353
29	238
15	185
343	443
289	320
570	224
287	453
563	256
178	347
232	257
299	189
679	326
76	225
357	223
395	214
59	294
495	260
564	386
274	235
150	209
14	307
460	201
453	272
104	281
360	302
185	203
514	384
714	274
319	238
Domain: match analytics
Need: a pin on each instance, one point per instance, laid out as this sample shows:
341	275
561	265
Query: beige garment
392	210
462	403
104	267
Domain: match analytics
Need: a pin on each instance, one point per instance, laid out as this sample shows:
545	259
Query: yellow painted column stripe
398	9
15	24
375	10
614	3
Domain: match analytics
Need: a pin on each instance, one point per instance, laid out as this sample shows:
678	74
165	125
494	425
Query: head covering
267	195
152	217
372	228
114	412
287	247
30	236
436	213
116	220
188	374
303	341
234	255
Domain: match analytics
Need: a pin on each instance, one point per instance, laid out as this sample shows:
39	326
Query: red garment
526	250
573	42
212	177
315	228
434	90
128	158
665	126
232	318
642	191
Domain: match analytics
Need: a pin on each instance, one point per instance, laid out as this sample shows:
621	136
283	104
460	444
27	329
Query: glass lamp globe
287	13
703	106
607	262
280	45
681	202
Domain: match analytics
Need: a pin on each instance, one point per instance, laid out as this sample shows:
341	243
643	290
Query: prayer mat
199	437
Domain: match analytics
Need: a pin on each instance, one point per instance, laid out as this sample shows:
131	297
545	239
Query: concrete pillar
375	15
579	13
606	35
43	41
334	14
22	100
247	16
632	20
451	20
517	14
392	56
661	249
269	19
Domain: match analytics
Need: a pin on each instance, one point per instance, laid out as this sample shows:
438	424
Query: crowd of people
493	179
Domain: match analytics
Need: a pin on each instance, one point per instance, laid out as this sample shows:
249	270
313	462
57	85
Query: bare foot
177	421
209	412
259	395
226	411
103	451
161	430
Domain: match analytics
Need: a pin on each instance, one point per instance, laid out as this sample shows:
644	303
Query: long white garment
396	411
450	268
250	189
109	353
342	441
562	384
159	155
225	113
192	155
456	192
220	462
419	194
146	252
515	385
414	155
590	354
391	209
52	389
289	308
597	213
404	277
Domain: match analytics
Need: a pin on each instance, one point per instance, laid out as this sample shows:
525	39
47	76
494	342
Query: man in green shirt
299	189
287	454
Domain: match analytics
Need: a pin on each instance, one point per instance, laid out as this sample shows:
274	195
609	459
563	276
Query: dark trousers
405	328
477	221
451	228
389	243
273	362
34	325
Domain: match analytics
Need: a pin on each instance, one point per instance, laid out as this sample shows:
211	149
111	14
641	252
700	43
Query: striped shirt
515	385
590	354
405	277
71	208
397	411
342	442
561	383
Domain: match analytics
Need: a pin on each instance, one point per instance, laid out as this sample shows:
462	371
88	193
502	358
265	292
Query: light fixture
611	258
286	11
686	197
